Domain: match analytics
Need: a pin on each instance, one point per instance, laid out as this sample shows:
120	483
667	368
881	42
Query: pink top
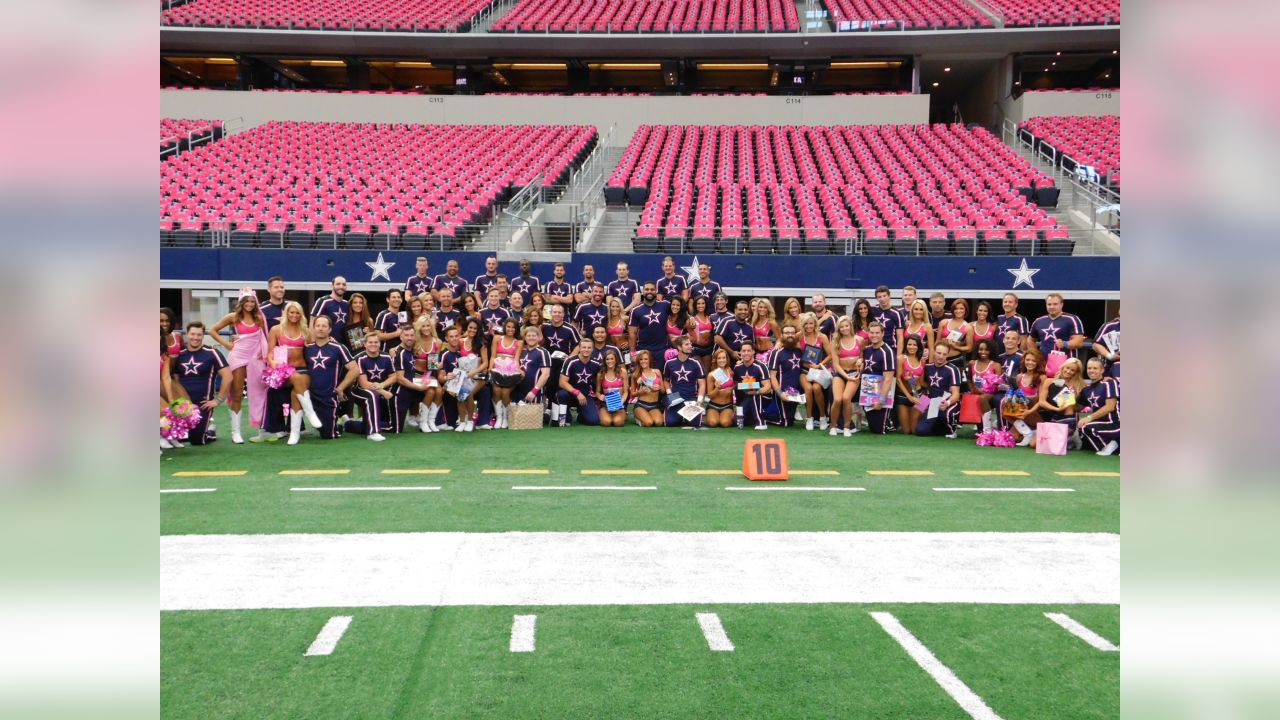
507	349
606	384
617	330
761	330
175	344
702	327
287	341
921	332
990	333
245	329
845	353
912	371
673	330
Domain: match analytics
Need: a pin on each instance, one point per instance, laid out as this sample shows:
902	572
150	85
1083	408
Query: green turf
790	661
260	501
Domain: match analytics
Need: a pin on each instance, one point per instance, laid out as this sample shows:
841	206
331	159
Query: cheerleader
359	323
958	333
791	312
764	328
749	370
846	377
173	342
983	328
426	348
532	318
246	357
538	303
414	310
166	384
373	374
862	319
505	374
1058	397
701	328
472	343
676	322
646	389
985	372
1099	421
616	330
918	323
1028	384
813	347
292	334
470	306
910	380
720	382
612	378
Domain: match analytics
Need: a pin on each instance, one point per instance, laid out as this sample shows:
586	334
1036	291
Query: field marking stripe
187	490
335	471
941	674
523	633
425	471
708	472
1071	625
792	488
584	487
1090	473
900	472
329	636
717	639
997	473
515	471
370	488
1003	489
613	472
210	473
815	472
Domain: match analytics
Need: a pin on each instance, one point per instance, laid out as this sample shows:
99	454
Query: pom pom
985	438
1004	438
670	353
276	377
182	416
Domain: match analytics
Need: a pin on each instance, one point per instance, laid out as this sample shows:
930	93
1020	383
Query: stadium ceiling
478	46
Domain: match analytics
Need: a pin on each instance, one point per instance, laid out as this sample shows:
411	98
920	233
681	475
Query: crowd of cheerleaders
451	354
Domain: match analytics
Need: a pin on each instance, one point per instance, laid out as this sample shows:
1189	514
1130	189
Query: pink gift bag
1051	438
1053	362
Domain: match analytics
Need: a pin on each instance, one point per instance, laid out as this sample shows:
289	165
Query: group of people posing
451	354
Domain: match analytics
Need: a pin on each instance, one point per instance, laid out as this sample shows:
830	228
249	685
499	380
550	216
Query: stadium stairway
1088	240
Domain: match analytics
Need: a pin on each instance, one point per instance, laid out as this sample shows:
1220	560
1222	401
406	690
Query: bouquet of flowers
1015	404
276	377
996	438
182	416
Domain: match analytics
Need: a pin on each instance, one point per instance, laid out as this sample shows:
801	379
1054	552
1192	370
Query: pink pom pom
670	353
985	438
1005	439
276	377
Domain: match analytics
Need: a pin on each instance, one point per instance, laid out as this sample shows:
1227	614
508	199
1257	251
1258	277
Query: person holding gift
1016	406
611	390
942	385
1059	397
958	333
686	386
578	387
505	373
647	390
752	378
1099	421
985	374
816	377
285	343
879	370
784	375
720	385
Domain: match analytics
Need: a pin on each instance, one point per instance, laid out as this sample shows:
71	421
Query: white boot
236	437
165	444
503	409
1022	427
295	427
1026	440
988	420
312	418
423	414
433	410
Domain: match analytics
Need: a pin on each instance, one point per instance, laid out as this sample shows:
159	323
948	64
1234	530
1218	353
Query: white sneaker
762	427
376	437
1110	449
165	444
952	436
823	423
411	420
462	427
848	432
177	444
808	424
834	432
471	425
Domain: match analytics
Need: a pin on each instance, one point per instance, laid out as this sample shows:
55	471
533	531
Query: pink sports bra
673	330
507	350
908	369
287	341
245	329
702	327
616	330
853	352
990	333
607	384
175	345
761	331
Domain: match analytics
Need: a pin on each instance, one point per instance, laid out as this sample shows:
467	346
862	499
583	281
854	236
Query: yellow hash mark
997	473
615	472
209	473
316	472
899	472
514	471
815	472
426	471
1095	473
708	472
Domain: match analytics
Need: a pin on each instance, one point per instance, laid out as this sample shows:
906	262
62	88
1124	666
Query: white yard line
369	488
1068	623
714	632
187	490
941	674
523	633
329	636
584	487
206	572
1002	489
791	488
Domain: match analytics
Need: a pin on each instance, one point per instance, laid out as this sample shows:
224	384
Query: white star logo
1050	332
691	270
319	362
669	289
739	338
682	375
380	269
524	362
191	367
419	286
935	380
584	377
1023	274
375	373
340	316
653	317
795	363
556	342
595	318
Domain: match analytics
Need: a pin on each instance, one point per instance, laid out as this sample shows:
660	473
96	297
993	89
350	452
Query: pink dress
248	350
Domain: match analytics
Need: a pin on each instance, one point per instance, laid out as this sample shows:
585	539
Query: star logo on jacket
739	338
556	342
595	318
191	367
669	289
381	269
419	286
653	316
584	377
682	375
935	381
320	362
524	363
795	363
1050	332
691	270
375	373
339	316
1022	275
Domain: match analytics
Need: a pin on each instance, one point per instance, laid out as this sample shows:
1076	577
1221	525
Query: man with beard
879	359
450	281
582	291
334	307
647	324
273	309
524	283
683	379
592	313
559	292
826	318
736	330
721	310
784	374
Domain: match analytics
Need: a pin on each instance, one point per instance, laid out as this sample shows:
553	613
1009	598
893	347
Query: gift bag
524	416
970	409
922	403
1053	362
1051	438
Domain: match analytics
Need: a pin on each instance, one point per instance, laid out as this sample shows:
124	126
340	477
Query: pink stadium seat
1027	13
632	16
1091	141
847	15
398	15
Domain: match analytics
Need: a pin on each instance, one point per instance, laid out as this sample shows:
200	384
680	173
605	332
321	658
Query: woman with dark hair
958	333
470	306
612	378
472	343
646	387
701	330
413	310
720	386
173	341
985	372
538	302
861	317
532	318
983	327
359	323
1027	383
910	381
676	322
505	373
599	336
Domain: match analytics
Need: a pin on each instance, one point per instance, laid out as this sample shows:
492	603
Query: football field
629	573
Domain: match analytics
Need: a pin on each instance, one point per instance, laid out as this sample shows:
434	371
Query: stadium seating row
182	135
1088	141
1028	13
908	14
394	15
650	16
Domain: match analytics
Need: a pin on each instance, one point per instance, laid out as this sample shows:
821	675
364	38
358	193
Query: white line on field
188	490
1070	624
584	487
791	488
329	636
941	674
370	488
714	632
1001	489
522	633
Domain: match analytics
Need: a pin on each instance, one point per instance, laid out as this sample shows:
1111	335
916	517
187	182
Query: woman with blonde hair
426	364
616	331
246	357
846	375
791	312
764	327
919	324
292	334
1059	398
813	351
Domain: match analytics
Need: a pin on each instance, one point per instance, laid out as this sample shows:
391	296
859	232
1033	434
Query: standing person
677	323
560	338
764	328
419	282
333	306
196	367
592	312
559	291
942	383
1107	345
671	284
985	372
909	297
525	283
612	378
538	302
1011	320
1059	397
647	390
814	359
1099	422
791	312
751	401
373	376
826	318
246	358
292	334
473	343
878	359
983	328
327	363
938	309
486	281
682	378
450	361
410	388
505	374
704	285
1056	330
532	318
884	313
861	317
493	315
616	330
582	291
1028	382
720	385
173	340
273	309
359	323
625	288
577	388
720	309
535	362
413	309
701	330
958	333
387	323
450	281
426	349
910	381
446	315
845	351
917	323
647	324
735	331
784	374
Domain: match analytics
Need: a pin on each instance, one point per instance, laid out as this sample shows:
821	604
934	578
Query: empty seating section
650	16
181	135
1026	13
905	14
395	15
1091	141
876	189
354	185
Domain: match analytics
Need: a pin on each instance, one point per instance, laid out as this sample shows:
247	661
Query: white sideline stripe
530	569
1001	489
941	674
188	490
522	633
584	487
370	488
1072	626
714	632
329	636
792	488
